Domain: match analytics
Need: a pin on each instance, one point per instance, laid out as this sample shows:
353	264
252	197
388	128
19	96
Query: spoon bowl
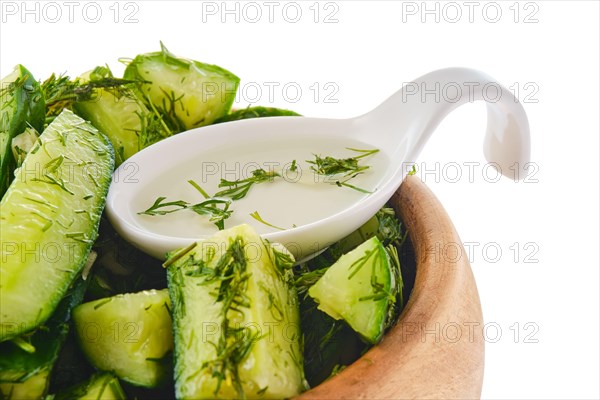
399	128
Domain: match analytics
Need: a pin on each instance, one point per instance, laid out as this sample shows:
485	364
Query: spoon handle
417	109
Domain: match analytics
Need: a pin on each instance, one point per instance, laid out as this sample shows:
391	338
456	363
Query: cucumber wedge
21	104
102	386
189	93
49	220
121	116
358	288
25	368
34	387
236	319
128	334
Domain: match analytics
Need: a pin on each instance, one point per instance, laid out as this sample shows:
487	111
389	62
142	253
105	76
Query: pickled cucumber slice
128	334
121	116
49	220
21	105
189	93
34	387
358	289
25	372
236	319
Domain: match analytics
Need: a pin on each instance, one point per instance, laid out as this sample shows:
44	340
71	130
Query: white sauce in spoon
294	199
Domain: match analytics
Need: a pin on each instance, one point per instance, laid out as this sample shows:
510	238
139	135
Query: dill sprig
282	259
358	264
153	127
160	208
346	184
397	289
257	217
61	91
238	189
216	209
348	168
390	229
211	208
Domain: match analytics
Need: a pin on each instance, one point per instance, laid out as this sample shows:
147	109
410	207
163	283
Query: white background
540	295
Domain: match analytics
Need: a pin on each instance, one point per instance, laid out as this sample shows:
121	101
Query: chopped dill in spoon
238	189
346	184
257	217
348	167
217	209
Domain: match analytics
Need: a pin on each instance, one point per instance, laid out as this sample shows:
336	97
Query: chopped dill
257	217
348	168
216	209
358	264
61	92
231	277
238	189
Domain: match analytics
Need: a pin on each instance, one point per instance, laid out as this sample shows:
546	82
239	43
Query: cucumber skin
255	112
209	317
28	107
16	319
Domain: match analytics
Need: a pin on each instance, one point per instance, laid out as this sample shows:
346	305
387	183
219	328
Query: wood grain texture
436	350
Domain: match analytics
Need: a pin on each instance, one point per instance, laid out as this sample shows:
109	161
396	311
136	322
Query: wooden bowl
436	350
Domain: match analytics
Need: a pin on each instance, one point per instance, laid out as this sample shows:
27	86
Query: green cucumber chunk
34	387
128	334
357	289
121	116
255	112
236	319
102	386
26	362
21	105
189	93
49	220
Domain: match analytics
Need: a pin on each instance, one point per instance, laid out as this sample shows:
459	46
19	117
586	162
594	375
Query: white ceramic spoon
399	128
